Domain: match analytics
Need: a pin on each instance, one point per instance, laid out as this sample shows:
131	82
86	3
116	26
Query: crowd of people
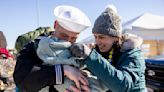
57	63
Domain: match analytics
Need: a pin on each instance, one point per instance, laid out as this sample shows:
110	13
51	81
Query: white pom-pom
111	7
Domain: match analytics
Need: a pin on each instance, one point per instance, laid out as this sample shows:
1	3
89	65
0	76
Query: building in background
151	28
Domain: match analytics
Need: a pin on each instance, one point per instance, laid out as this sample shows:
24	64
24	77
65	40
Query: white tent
148	26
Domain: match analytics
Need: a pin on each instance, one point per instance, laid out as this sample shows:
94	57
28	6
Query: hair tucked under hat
108	23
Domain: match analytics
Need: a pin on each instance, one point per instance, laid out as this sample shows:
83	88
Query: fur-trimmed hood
131	41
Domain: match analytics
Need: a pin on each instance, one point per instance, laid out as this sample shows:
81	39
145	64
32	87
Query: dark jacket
29	74
127	73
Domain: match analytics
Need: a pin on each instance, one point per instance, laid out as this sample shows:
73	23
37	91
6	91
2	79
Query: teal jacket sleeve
127	76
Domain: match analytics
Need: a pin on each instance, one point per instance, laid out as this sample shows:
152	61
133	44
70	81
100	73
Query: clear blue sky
20	16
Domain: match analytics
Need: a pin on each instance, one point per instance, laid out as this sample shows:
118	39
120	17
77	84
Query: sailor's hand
75	75
84	88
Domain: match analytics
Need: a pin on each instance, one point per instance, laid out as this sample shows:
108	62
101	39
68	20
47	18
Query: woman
117	59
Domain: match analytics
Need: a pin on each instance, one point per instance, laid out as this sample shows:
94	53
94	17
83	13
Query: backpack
23	39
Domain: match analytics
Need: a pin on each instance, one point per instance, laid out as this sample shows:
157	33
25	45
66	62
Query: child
55	51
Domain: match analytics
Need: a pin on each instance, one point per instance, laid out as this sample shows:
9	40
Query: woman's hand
75	75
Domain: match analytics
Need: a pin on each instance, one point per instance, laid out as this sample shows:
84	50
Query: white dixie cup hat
71	18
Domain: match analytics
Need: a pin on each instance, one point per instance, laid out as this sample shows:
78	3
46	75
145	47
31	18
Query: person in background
31	75
4	54
117	59
6	66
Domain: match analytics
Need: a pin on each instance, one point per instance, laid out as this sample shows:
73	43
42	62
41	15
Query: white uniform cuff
58	70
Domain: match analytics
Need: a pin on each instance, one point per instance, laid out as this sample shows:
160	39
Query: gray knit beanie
108	23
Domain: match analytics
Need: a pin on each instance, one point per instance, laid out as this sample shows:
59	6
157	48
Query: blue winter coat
128	74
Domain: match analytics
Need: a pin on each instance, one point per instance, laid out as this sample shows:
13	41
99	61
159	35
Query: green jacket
126	76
